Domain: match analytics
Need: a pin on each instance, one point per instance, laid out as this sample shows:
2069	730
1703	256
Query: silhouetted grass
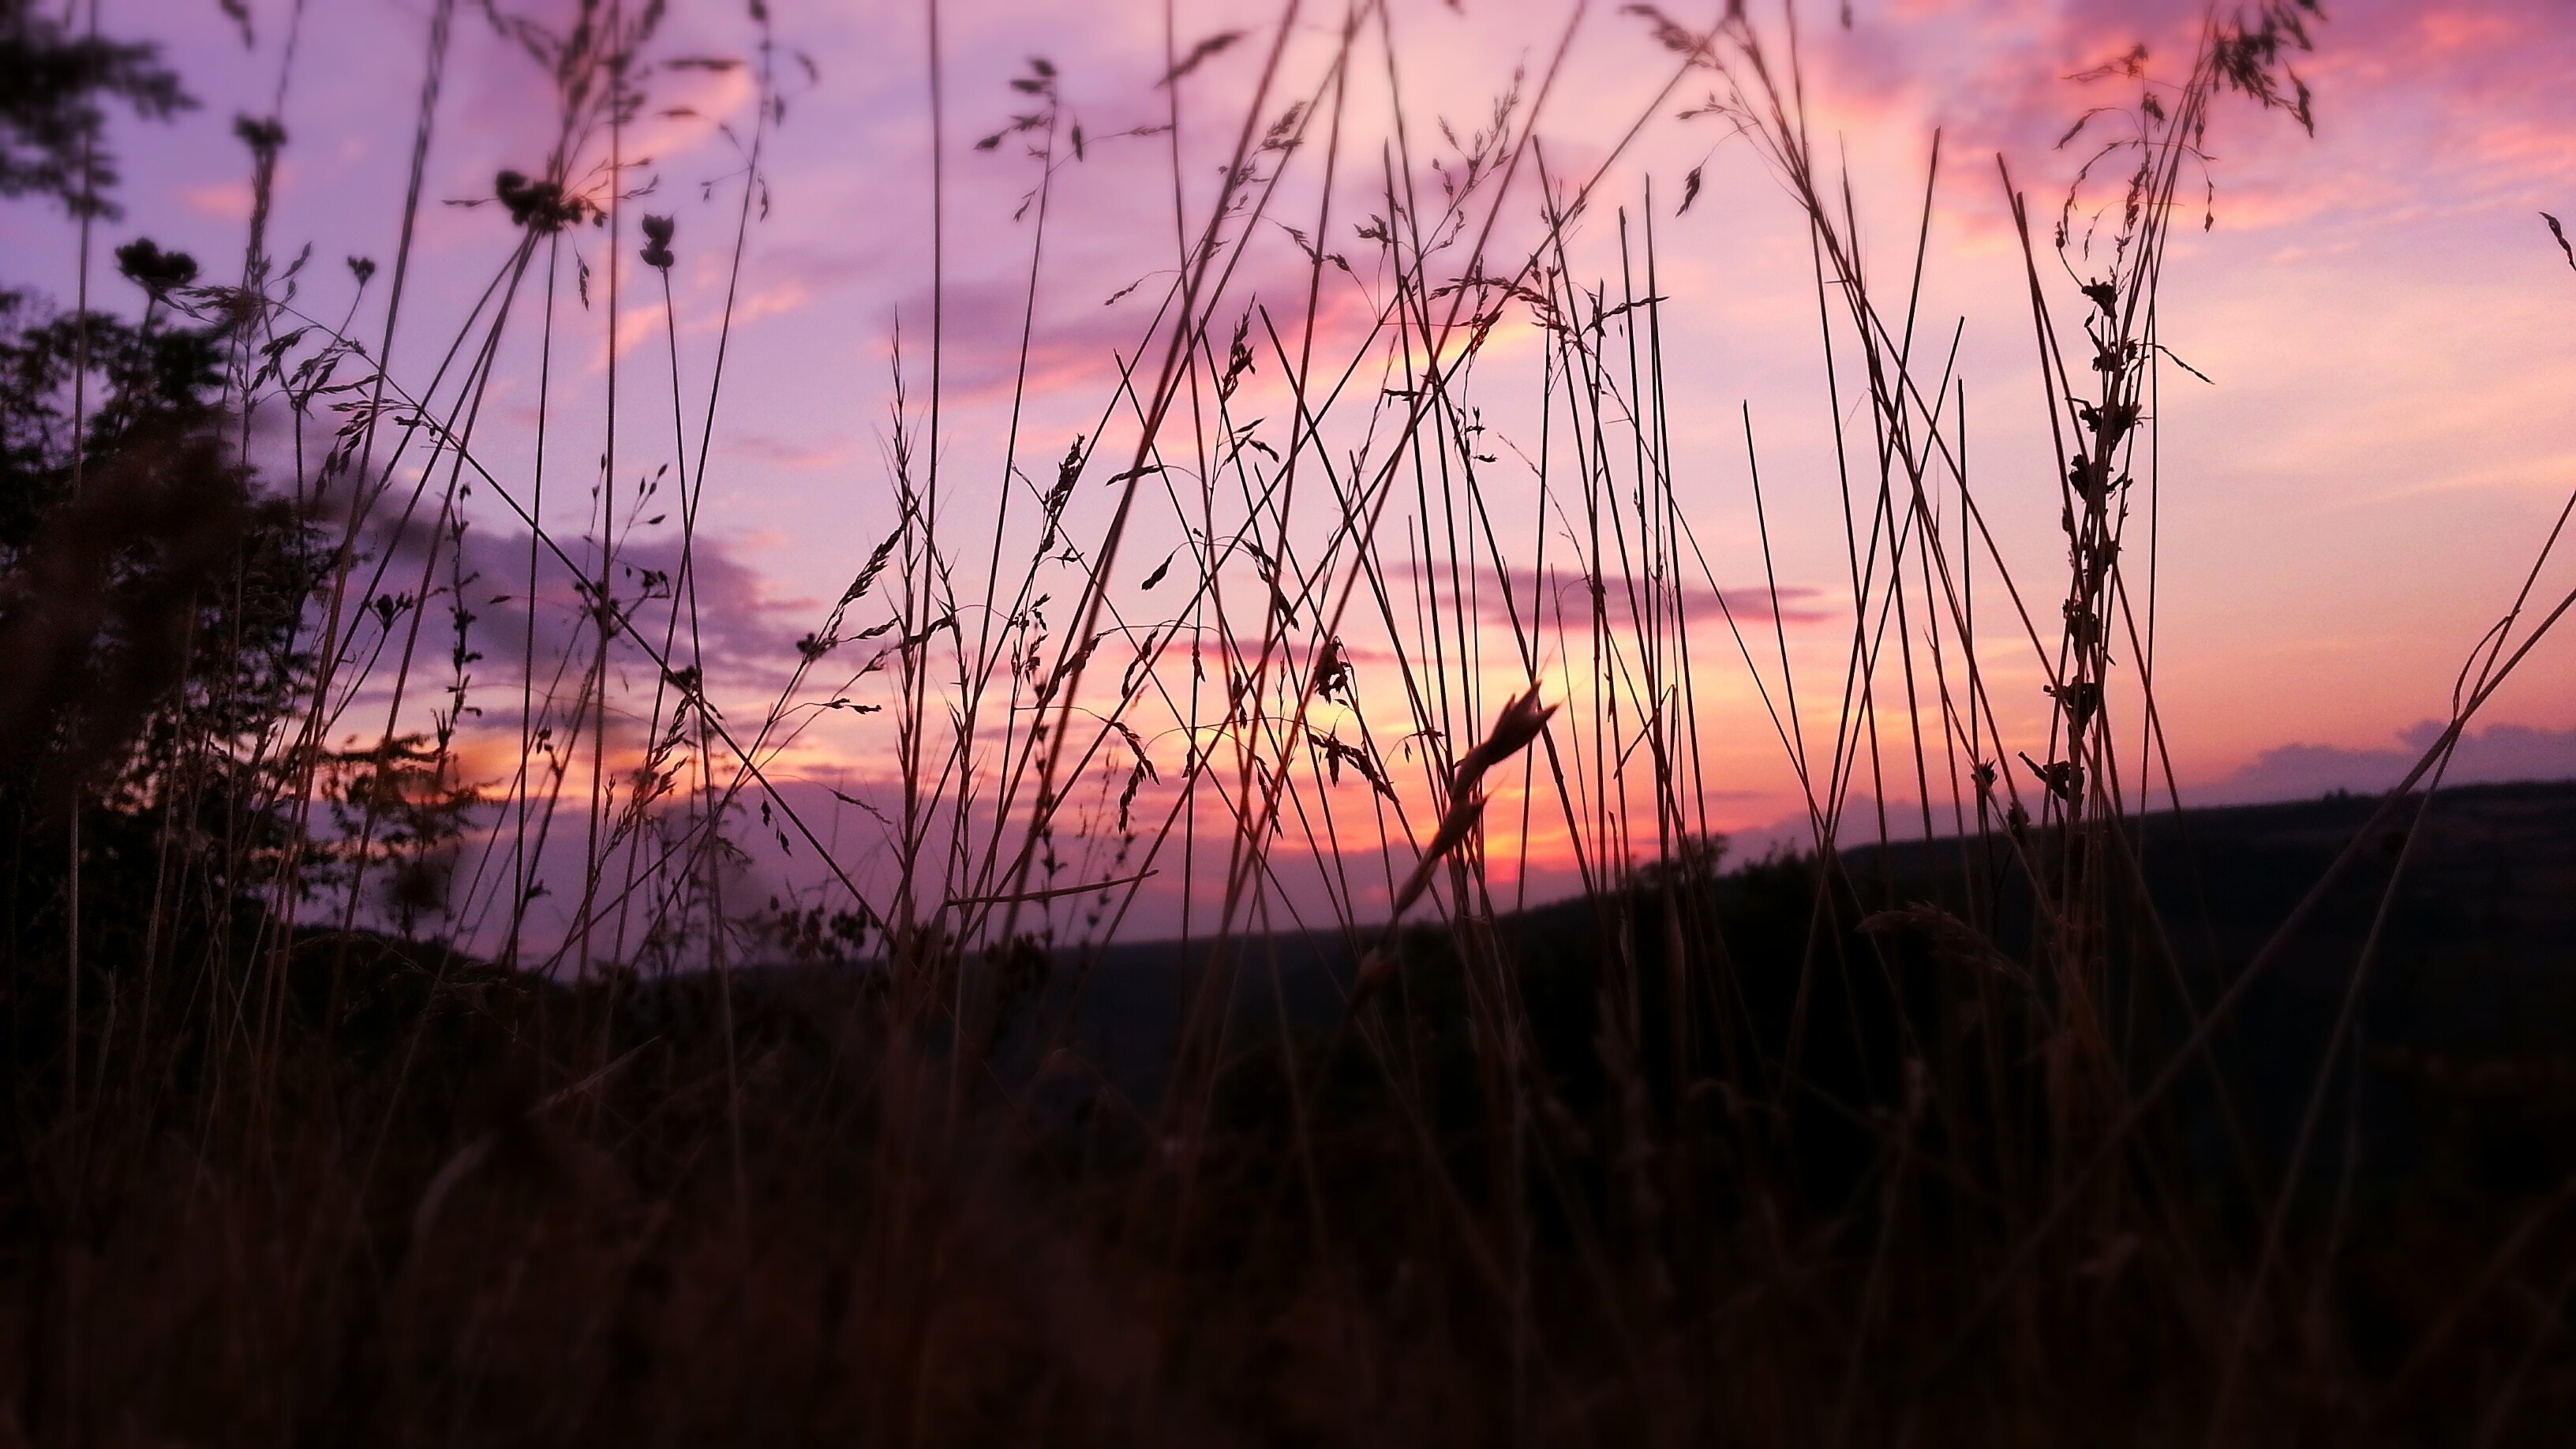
359	1097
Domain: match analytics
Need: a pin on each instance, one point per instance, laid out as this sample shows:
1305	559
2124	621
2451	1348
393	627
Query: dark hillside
2467	1019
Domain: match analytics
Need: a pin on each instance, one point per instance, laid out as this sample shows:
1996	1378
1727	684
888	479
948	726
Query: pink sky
2345	511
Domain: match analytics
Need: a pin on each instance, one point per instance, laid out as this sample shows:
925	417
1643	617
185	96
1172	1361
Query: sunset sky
2388	330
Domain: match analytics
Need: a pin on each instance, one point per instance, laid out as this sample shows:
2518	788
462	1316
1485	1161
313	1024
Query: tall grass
432	1102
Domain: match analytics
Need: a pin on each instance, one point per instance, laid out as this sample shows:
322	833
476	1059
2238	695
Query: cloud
2481	83
1091	316
1569	591
2296	771
745	628
790	453
221	200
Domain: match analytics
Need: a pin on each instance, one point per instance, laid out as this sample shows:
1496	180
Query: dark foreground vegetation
2091	1120
477	1205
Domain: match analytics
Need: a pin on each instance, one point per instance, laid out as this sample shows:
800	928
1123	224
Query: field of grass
358	1092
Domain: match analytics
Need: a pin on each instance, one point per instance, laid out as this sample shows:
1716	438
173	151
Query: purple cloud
2493	755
